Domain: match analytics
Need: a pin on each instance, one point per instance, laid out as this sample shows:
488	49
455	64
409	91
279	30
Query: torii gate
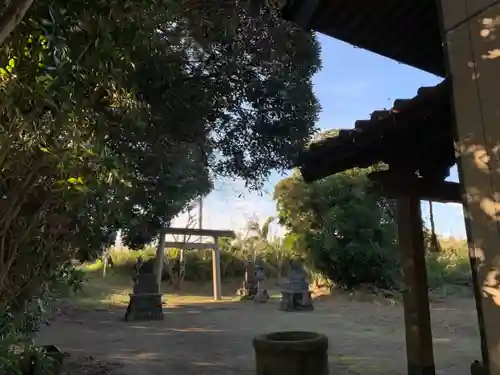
215	234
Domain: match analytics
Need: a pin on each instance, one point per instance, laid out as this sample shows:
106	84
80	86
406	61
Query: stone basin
291	353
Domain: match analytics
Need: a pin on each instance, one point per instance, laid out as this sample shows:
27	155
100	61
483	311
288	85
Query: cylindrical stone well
291	353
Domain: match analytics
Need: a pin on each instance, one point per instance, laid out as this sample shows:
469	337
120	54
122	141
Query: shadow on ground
216	338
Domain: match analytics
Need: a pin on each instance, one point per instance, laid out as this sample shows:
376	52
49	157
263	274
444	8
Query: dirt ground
216	338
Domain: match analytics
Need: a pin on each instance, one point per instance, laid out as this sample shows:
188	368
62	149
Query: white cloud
231	206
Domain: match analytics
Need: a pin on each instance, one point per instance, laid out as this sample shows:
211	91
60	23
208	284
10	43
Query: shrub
198	263
449	266
357	263
19	326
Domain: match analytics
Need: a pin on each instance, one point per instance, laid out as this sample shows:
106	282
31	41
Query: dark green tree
346	232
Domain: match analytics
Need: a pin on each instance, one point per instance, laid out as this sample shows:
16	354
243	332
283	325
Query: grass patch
100	292
448	271
448	267
113	291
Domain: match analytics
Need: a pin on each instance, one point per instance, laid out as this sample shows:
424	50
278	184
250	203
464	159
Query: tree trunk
12	16
435	247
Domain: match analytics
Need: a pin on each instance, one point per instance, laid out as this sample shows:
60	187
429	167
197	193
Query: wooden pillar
419	351
216	270
471	36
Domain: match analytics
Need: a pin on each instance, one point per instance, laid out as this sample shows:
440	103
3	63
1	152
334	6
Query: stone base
476	368
261	297
292	301
246	294
144	307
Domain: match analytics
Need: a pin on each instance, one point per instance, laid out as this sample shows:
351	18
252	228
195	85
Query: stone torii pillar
471	36
217	283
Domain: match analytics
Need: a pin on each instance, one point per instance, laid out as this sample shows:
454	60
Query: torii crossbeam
215	234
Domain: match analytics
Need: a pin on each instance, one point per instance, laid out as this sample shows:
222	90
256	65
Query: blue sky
351	85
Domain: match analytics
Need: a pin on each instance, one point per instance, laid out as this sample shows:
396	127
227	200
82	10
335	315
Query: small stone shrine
295	294
252	286
145	301
262	296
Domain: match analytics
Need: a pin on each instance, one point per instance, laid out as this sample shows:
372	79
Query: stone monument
295	294
145	301
249	288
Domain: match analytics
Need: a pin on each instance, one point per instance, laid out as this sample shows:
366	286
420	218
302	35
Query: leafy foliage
272	251
346	232
17	326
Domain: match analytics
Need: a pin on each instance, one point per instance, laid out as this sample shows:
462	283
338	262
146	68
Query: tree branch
12	16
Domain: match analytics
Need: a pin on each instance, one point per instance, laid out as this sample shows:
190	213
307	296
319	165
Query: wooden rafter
416	133
406	31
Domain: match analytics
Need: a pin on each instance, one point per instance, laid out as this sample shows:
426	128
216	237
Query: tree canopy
118	114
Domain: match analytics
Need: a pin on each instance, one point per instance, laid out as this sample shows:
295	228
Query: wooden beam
189	246
419	353
200	232
393	185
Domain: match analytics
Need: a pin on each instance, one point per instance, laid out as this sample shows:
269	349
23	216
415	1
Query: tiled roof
403	30
415	132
